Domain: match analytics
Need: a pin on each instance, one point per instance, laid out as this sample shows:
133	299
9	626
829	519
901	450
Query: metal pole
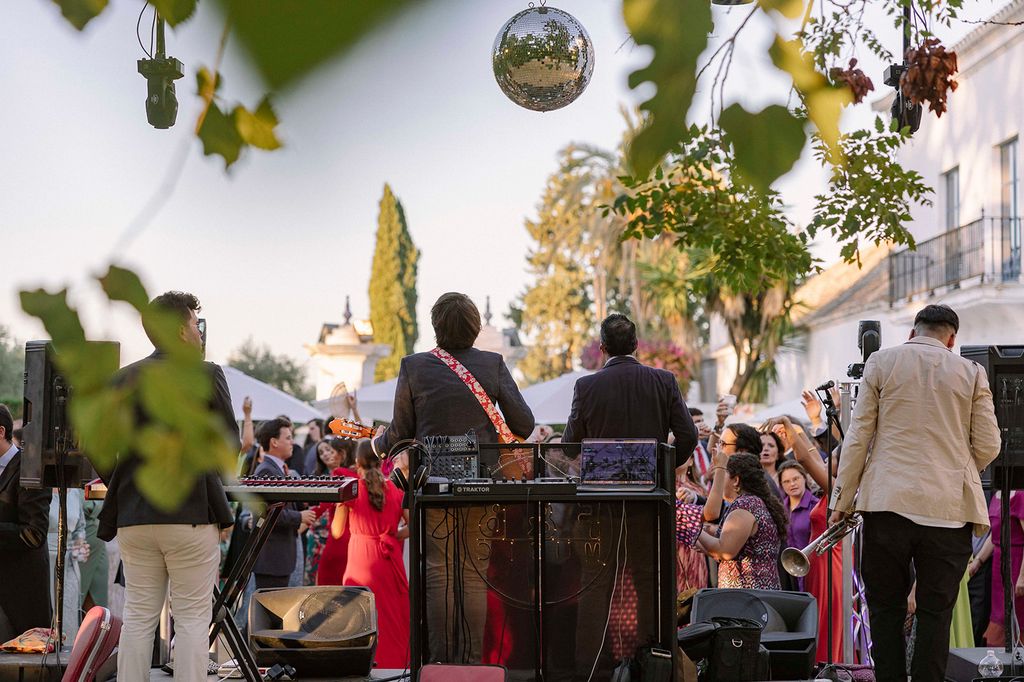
846	399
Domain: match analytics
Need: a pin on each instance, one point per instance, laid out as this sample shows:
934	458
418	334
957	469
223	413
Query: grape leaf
81	12
287	39
678	31
257	127
766	144
174	11
220	136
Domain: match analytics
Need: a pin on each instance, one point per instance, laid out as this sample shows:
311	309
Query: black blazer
278	556
626	399
431	400
206	503
24	558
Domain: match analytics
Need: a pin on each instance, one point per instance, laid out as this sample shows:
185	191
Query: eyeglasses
724	443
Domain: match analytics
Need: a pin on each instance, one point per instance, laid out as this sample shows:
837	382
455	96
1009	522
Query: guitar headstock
346	428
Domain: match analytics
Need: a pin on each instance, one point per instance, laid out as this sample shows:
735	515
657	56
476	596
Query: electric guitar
346	428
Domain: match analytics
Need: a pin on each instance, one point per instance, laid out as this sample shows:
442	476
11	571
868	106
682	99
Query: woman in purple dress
799	503
747	542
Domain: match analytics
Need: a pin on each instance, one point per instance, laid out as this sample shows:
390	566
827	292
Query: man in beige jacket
930	416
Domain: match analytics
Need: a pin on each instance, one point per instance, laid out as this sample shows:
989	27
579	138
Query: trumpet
797	562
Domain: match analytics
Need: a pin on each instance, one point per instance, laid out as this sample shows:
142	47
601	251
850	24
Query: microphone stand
829	671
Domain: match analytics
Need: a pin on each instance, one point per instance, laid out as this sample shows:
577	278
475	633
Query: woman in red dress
329	557
375	554
816	581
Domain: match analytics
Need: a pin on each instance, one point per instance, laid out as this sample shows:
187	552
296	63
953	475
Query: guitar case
95	650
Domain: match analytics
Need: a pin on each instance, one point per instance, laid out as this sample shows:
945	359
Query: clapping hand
812	406
783	428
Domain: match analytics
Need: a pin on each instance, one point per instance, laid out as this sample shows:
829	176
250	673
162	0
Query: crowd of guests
747	493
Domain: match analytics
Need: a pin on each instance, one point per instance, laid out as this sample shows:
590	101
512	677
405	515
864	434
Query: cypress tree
393	286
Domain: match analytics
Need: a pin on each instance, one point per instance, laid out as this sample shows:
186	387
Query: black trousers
263	580
939	555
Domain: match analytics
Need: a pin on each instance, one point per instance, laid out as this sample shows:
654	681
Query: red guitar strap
505	434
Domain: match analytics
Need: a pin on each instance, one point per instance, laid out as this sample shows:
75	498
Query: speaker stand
233	589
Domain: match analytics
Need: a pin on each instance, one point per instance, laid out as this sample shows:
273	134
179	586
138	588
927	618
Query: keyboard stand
234	588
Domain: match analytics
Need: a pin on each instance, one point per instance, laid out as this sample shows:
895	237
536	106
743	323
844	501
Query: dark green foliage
12	368
280	371
393	286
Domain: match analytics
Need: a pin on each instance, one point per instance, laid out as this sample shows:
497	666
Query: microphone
825	386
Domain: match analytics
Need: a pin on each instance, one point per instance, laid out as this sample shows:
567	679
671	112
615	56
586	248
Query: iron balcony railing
987	249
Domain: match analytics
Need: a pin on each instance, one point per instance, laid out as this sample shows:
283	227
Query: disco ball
543	58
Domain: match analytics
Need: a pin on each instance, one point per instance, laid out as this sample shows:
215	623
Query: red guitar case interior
95	644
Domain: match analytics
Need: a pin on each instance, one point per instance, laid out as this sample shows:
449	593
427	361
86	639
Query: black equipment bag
735	651
654	664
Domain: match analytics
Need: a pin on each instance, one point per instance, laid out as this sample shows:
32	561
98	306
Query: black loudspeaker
324	631
790	622
47	431
1005	368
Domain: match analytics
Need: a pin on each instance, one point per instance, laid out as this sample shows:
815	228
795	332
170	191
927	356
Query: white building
968	252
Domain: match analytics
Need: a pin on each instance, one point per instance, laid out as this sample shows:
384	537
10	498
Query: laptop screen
619	461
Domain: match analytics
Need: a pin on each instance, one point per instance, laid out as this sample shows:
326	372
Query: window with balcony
951	186
1009	205
1009	180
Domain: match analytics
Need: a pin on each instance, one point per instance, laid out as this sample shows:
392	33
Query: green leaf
81	12
121	284
220	136
287	39
678	31
257	127
767	143
60	320
206	85
104	423
824	101
174	11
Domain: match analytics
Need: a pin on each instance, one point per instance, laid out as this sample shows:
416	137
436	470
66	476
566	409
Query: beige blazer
930	416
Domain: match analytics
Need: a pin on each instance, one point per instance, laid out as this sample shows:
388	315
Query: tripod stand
829	671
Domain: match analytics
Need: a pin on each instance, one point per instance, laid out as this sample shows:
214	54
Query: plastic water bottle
990	666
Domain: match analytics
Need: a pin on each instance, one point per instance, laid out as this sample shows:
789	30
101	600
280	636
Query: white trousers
186	558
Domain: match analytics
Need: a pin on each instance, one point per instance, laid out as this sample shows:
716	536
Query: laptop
618	464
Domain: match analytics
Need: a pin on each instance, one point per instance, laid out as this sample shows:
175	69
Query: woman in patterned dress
691	564
746	543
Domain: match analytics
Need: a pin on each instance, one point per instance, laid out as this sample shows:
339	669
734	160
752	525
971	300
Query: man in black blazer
24	566
431	400
624	399
179	549
277	559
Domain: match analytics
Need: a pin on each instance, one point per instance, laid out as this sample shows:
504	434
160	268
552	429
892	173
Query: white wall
986	110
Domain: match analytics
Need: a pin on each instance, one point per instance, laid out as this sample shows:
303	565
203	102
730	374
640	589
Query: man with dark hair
179	549
624	399
431	399
277	559
701	456
24	566
926	415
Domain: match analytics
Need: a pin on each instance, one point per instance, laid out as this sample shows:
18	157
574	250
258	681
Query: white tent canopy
267	402
375	402
552	400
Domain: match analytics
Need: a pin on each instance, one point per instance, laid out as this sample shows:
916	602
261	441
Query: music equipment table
275	493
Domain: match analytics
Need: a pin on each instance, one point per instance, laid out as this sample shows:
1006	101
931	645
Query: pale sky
273	247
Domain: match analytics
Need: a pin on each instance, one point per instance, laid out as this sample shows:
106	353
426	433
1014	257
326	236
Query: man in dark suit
432	400
179	549
277	558
624	399
24	568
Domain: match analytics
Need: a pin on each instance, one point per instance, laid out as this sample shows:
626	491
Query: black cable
138	27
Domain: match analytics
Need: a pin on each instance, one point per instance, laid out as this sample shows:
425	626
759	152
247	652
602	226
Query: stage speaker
1005	368
324	631
48	434
790	621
